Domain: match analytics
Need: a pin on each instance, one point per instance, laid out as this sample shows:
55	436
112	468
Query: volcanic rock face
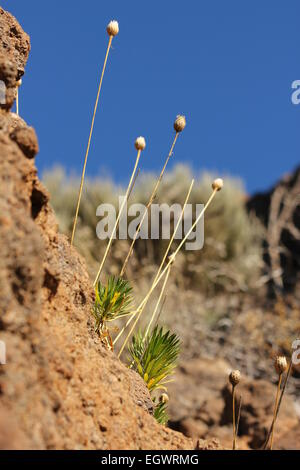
60	388
14	50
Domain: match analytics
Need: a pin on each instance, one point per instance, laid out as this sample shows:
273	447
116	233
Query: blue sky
227	65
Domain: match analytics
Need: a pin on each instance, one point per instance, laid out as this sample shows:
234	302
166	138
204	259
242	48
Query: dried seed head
19	82
235	377
140	143
113	28
164	398
218	184
280	364
180	123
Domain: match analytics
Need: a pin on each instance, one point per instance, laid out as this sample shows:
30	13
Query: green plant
112	301
161	413
156	357
216	187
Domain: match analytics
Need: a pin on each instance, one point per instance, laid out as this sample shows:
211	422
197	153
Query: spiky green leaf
112	301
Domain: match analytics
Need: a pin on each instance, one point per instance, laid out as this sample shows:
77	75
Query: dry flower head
113	28
235	377
280	364
180	123
140	143
218	184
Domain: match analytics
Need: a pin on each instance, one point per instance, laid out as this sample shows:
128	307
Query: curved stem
152	197
233	418
157	303
162	263
118	218
89	141
279	403
141	307
175	231
275	410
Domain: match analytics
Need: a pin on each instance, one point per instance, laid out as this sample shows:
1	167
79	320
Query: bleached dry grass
232	256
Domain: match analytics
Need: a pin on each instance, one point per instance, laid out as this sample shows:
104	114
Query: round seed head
218	184
113	28
140	143
180	123
164	398
280	364
235	377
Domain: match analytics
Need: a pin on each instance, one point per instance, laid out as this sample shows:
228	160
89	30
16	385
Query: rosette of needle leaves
155	356
113	301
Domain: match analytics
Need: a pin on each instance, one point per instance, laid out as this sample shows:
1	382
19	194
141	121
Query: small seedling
112	301
161	410
156	358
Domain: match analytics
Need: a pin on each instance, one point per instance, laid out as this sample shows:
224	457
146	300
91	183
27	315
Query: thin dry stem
161	310
89	141
133	183
141	307
279	403
163	261
175	231
233	419
119	216
152	197
157	304
275	410
238	417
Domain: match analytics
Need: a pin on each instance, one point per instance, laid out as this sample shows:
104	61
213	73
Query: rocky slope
201	406
279	210
60	388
